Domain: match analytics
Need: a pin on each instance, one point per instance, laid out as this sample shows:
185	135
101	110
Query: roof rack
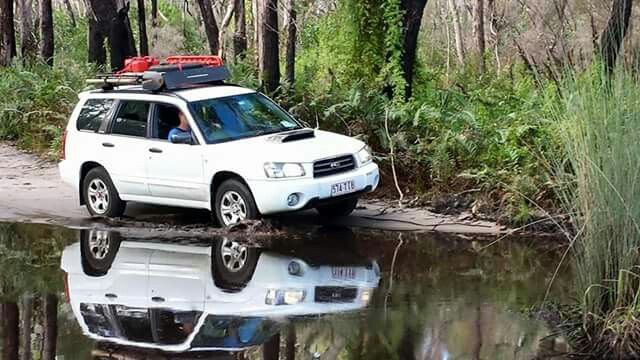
177	72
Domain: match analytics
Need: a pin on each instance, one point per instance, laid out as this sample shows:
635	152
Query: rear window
93	113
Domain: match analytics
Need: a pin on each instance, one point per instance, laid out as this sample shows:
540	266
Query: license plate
343	188
343	272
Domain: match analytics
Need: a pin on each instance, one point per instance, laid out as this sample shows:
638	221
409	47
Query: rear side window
93	113
131	119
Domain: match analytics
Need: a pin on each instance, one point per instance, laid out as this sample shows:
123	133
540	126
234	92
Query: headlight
284	297
364	155
282	170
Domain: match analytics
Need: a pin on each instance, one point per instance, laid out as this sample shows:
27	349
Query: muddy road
31	191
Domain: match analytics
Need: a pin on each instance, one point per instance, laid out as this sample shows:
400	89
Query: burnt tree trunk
413	11
290	346
615	32
269	57
240	33
142	29
478	31
46	31
154	22
8	33
271	348
290	43
28	41
10	330
210	25
27	313
50	327
107	21
70	12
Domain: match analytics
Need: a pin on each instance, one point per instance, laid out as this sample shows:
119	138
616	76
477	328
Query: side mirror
182	138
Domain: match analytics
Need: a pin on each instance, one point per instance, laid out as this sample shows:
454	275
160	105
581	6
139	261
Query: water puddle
321	293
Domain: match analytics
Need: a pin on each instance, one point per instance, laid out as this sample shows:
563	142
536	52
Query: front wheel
233	264
338	209
234	203
100	195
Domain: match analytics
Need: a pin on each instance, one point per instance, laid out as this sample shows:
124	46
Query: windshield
240	116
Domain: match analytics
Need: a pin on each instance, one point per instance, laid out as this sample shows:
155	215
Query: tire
233	264
98	250
338	209
236	197
101	197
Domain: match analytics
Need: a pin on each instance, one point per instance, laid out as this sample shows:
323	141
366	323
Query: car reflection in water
197	297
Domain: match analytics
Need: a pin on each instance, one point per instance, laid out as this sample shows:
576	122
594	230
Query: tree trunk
240	34
107	21
290	42
10	330
210	25
27	312
413	11
615	32
154	22
478	31
290	349
457	30
50	327
46	31
28	41
226	20
142	29
269	55
8	33
70	12
97	52
271	348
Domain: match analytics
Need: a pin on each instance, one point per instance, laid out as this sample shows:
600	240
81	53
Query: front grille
335	294
336	165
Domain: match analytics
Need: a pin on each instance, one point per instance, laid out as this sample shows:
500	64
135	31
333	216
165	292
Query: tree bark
615	32
8	33
226	20
290	349
46	31
271	348
108	21
413	11
142	29
50	327
457	30
10	330
70	12
210	25
269	57
28	41
478	31
154	22
240	34
27	313
290	42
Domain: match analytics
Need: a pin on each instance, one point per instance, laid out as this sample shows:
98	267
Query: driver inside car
183	127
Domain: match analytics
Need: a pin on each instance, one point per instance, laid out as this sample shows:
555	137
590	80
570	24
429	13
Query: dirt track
31	191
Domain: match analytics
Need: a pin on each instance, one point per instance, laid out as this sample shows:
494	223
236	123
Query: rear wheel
338	209
234	203
233	264
100	194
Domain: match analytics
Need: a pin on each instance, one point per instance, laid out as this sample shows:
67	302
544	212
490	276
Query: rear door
124	148
174	171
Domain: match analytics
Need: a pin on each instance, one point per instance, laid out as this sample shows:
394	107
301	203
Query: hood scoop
294	135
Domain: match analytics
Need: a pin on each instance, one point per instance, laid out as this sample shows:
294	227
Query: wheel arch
220	177
84	170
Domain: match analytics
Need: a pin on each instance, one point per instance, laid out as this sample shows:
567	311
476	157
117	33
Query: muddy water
319	293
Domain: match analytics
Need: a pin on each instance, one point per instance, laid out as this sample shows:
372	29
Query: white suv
243	157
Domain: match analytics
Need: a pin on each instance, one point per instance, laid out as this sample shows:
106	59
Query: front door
174	171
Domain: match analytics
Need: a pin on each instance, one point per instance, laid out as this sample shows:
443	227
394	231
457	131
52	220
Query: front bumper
271	195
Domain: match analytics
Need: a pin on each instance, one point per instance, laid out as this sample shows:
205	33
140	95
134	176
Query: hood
302	149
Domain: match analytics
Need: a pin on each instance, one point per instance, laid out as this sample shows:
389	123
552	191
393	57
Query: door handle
155	150
157	299
106	144
111	296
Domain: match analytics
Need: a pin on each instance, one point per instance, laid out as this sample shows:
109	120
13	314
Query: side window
93	113
131	119
166	118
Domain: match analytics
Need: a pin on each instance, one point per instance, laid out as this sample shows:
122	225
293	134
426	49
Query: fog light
293	200
366	296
